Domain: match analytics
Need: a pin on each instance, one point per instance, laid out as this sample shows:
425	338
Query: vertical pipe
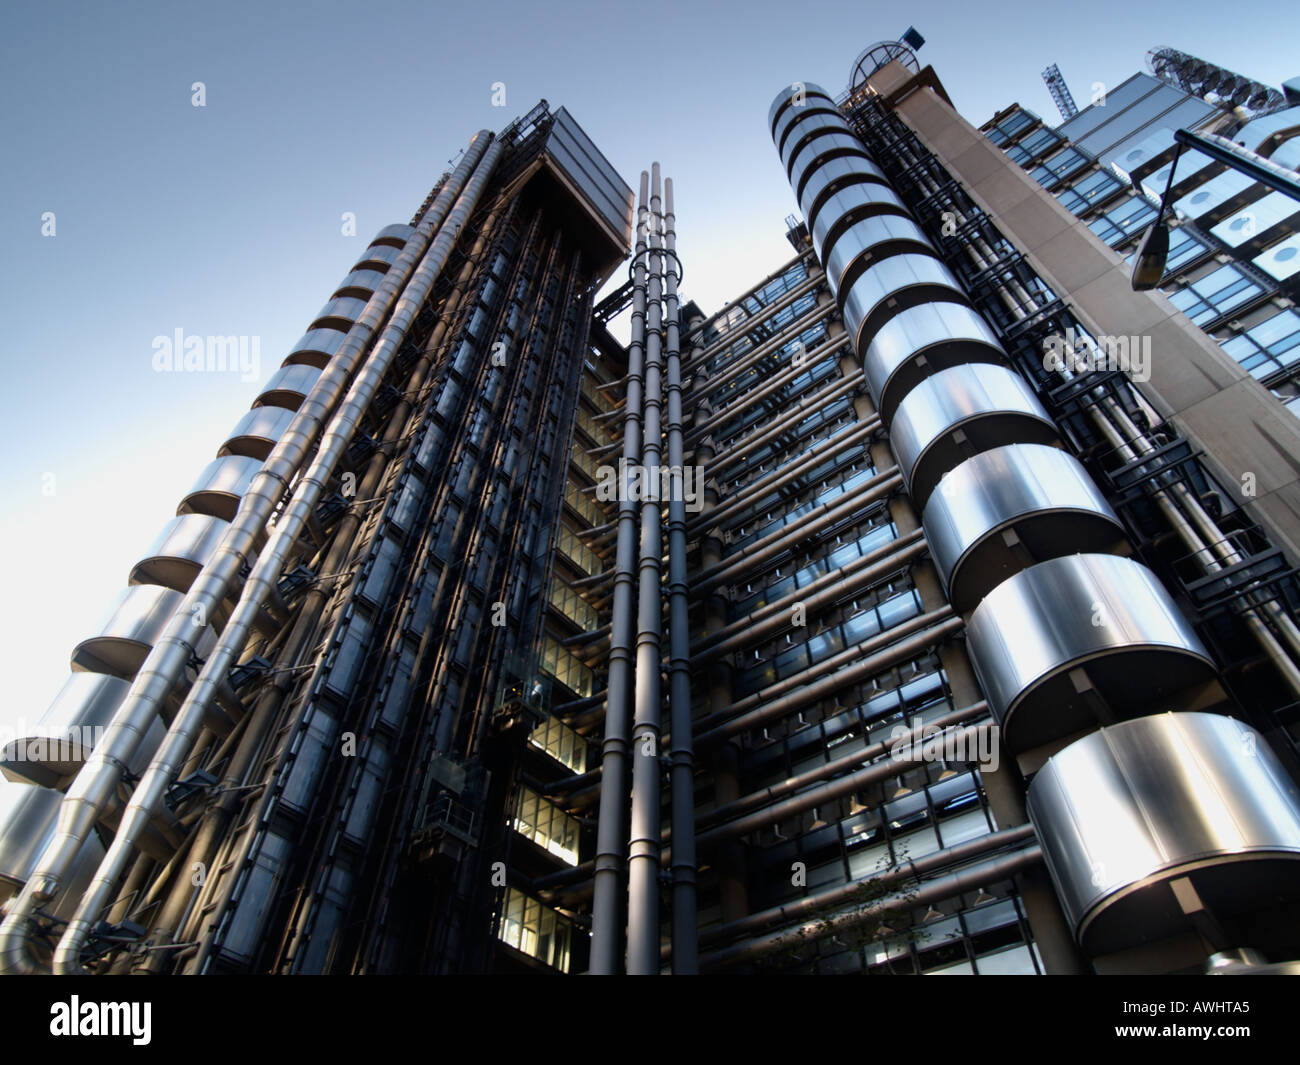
686	950
643	849
606	903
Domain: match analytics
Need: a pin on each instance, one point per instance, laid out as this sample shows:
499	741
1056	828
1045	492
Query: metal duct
1172	823
958	413
261	581
681	754
643	844
607	905
1006	509
27	821
1061	644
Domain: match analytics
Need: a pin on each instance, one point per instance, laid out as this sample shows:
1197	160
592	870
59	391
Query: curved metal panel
806	159
28	817
377	258
791	117
1053	640
852	202
1009	508
339	313
920	341
960	412
180	551
843	260
395	235
847	168
316	347
809	127
138	617
257	432
810	89
53	752
220	487
288	387
864	301
1193	797
360	283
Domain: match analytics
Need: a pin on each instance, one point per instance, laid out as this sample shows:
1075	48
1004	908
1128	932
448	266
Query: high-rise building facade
930	608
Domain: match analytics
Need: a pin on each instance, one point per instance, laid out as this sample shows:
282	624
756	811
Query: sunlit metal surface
138	617
1073	639
855	201
904	281
316	347
360	283
219	488
1129	809
51	753
339	313
863	241
395	235
850	169
1006	509
960	412
921	341
808	90
256	433
803	165
810	126
27	821
180	551
288	387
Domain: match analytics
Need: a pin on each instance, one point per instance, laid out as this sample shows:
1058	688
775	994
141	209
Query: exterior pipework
685	937
643	845
607	908
261	582
166	663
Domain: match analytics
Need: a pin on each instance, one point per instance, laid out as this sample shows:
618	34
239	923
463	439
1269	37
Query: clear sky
227	219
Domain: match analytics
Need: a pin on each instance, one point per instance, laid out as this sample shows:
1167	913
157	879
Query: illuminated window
547	825
561	743
536	930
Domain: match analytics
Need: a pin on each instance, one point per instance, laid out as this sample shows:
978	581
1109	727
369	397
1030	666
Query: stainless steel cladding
869	240
960	412
1006	509
922	340
27	822
834	175
288	387
1067	639
317	346
394	236
53	752
219	488
378	257
137	618
180	551
1143	820
849	204
256	433
891	285
360	283
339	313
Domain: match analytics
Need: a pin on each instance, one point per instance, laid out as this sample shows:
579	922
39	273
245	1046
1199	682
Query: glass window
1215	295
536	930
547	825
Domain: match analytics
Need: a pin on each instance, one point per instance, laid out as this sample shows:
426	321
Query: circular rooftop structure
878	55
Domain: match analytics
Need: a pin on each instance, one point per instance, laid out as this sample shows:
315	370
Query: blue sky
226	219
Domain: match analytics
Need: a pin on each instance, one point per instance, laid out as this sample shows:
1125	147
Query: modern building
930	608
